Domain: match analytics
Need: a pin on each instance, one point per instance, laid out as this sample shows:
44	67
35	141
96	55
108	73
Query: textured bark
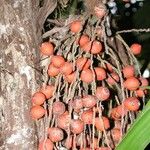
19	79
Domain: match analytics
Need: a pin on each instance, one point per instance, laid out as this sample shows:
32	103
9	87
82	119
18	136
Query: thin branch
133	30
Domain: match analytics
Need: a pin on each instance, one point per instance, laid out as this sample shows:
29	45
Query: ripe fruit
87	116
113	78
118	111
83	40
55	134
77	103
58	61
52	70
77	126
47	48
38	98
76	26
46	145
70	77
144	81
102	93
100	73
136	48
102	123
83	63
132	103
58	108
68	143
128	71
86	148
66	68
63	120
87	47
131	83
37	112
48	91
96	47
116	134
87	76
140	92
89	101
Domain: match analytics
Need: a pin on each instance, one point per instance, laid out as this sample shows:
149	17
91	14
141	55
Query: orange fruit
102	123
38	98
89	101
96	47
76	26
132	103
37	112
113	78
57	61
48	90
102	93
87	76
83	63
87	116
128	71
66	68
116	134
46	145
47	48
52	70
100	73
136	48
58	108
131	83
77	126
77	103
55	134
83	40
63	120
70	77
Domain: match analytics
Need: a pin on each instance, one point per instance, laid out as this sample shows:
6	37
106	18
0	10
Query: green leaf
138	136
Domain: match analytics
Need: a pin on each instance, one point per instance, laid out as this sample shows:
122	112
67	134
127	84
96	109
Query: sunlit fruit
89	101
77	126
113	78
136	48
70	77
66	68
48	90
96	47
38	98
128	71
52	70
55	134
132	103
100	73
77	103
76	26
47	48
131	83
87	116
37	112
83	40
87	76
58	108
102	93
102	123
57	61
83	63
63	120
46	144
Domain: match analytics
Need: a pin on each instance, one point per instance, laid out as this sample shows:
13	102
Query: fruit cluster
87	101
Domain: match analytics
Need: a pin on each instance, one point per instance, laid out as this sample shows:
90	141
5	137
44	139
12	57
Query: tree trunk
19	79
